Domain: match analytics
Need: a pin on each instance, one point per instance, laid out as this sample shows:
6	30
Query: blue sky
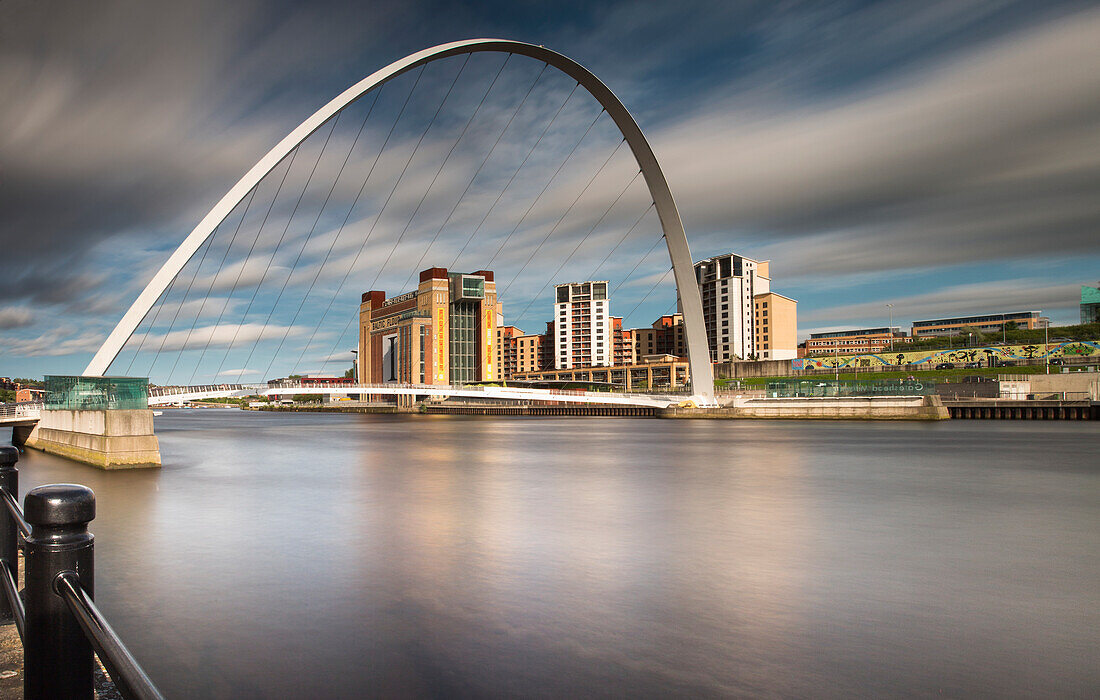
943	157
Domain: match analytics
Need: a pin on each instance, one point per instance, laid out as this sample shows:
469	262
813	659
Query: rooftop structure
983	322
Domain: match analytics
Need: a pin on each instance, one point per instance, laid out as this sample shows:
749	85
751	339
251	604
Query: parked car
946	365
1056	361
972	365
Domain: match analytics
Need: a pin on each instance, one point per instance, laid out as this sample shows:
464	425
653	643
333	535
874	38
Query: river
326	555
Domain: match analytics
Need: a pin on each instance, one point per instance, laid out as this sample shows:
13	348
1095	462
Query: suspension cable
282	237
405	169
611	252
640	261
651	290
544	188
328	197
437	172
576	247
461	197
562	217
513	177
156	316
385	204
317	274
244	262
208	245
209	289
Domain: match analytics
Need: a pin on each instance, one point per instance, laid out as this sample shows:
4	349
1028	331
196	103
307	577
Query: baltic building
442	332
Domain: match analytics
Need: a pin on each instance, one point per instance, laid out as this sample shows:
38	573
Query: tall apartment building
732	286
664	337
582	330
442	332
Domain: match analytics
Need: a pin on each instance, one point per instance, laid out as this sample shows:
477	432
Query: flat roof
1007	315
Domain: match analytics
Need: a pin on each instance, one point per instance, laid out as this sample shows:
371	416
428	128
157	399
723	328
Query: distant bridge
161	396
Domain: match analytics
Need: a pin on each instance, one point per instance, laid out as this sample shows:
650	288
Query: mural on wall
985	356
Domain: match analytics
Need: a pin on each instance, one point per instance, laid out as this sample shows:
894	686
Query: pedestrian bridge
23	413
161	396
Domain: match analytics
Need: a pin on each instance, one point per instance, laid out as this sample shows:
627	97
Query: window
725	314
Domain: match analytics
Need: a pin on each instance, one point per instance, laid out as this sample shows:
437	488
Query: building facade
507	350
582	329
623	344
856	340
736	290
519	352
667	374
664	337
442	332
1090	304
775	328
983	322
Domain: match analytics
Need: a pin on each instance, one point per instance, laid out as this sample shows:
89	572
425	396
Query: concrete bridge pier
102	421
108	439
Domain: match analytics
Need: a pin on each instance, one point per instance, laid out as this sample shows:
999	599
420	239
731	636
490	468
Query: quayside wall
822	408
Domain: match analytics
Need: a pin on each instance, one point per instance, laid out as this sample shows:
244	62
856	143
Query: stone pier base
108	439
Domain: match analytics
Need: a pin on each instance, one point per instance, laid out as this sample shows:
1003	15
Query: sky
942	158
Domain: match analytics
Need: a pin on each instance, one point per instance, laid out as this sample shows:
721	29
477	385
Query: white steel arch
691	303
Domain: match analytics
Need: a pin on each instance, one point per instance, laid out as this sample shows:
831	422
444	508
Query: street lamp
1046	347
890	330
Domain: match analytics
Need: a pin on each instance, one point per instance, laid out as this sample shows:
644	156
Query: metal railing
58	621
23	409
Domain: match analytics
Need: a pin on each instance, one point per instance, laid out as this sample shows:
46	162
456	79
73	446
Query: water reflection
317	555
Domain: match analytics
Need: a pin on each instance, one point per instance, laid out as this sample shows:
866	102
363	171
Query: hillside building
856	340
986	323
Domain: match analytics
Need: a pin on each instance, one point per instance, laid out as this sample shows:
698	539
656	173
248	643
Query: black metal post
57	656
9	536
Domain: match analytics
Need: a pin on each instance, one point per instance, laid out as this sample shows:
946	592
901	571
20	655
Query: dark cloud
840	140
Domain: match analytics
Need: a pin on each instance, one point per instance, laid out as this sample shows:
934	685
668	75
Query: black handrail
59	623
16	513
8	578
123	669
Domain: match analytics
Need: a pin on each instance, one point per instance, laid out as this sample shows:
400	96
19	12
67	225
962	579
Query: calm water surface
311	555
